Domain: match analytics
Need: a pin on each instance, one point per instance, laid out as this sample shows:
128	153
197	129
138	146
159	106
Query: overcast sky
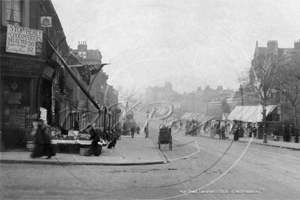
190	43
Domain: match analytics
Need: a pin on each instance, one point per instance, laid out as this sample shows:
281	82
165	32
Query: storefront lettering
24	30
19	64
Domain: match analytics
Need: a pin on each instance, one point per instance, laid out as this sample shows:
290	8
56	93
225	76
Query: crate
30	144
82	150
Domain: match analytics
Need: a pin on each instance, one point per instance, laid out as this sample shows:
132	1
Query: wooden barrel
30	145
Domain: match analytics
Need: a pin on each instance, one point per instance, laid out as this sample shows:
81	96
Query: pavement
270	142
128	151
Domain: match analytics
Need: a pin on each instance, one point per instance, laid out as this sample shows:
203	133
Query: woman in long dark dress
42	143
94	149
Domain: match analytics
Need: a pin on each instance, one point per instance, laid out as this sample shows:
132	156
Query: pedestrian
94	149
275	135
236	129
42	143
138	129
146	132
132	130
76	126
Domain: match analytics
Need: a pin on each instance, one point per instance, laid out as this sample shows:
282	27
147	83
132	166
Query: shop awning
193	116
198	116
185	116
249	113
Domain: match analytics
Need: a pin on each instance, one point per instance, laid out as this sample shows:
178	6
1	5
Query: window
13	11
82	54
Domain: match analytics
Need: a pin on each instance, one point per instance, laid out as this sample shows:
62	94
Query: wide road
198	168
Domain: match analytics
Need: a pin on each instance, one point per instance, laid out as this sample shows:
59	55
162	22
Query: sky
190	43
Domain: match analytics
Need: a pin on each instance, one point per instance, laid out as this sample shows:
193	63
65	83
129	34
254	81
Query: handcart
164	136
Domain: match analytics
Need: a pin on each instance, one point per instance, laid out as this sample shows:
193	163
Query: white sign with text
23	40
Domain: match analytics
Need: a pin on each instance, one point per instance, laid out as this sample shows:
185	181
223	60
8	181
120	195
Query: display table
72	146
61	141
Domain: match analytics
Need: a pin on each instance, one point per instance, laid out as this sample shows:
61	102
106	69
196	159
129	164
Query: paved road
199	168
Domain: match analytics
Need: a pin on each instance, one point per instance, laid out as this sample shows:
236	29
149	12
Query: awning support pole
75	78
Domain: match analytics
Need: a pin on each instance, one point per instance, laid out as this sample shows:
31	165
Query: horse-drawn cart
164	136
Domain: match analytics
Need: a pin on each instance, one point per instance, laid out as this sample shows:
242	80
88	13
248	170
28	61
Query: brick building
286	56
30	72
207	101
166	93
103	93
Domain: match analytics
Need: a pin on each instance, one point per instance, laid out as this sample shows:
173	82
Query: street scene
149	99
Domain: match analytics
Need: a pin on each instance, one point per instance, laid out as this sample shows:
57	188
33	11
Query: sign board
23	40
46	21
43	114
24	66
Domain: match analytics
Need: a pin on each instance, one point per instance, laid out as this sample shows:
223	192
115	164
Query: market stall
249	113
66	141
249	118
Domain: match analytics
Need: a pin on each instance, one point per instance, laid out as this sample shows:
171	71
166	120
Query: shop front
19	77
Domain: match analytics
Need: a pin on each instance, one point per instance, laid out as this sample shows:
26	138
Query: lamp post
242	94
104	122
147	126
109	120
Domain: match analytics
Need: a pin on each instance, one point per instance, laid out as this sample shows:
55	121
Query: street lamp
147	126
242	94
104	122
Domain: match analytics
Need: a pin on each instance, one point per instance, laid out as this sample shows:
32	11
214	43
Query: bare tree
262	81
127	95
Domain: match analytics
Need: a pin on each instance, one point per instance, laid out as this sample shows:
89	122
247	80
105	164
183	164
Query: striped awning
249	113
185	116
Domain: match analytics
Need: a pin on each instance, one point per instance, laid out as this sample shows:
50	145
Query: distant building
166	93
207	101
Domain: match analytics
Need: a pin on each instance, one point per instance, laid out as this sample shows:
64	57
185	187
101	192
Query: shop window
82	54
16	101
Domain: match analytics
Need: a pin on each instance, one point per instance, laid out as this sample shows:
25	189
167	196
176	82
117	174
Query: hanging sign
23	40
46	21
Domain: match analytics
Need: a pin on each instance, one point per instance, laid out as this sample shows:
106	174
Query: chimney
82	46
272	45
297	45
